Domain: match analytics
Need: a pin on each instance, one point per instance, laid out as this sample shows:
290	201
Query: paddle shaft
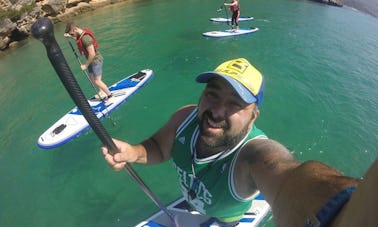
42	30
225	9
222	6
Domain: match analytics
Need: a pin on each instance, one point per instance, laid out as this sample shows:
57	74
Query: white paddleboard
72	124
187	218
222	19
230	32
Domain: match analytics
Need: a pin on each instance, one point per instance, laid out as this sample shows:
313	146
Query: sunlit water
320	65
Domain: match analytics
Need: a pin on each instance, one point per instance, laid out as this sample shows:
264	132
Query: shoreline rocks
17	27
331	2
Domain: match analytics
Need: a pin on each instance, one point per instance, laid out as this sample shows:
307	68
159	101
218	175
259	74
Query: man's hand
117	161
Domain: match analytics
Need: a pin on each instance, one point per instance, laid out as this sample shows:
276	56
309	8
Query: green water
321	101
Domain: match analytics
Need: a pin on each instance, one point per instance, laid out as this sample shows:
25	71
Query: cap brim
242	91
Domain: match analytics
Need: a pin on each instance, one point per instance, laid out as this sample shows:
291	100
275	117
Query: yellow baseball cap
247	81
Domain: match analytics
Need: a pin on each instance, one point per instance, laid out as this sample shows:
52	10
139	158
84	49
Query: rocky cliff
17	16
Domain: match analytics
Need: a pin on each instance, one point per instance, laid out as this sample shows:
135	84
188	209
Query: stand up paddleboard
187	218
230	32
72	124
222	19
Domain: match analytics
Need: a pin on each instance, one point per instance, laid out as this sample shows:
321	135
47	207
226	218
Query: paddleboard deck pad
187	218
230	32
72	124
222	19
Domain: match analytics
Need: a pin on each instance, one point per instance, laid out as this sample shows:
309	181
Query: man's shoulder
257	133
182	113
87	39
265	148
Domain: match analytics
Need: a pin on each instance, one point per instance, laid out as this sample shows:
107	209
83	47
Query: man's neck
204	151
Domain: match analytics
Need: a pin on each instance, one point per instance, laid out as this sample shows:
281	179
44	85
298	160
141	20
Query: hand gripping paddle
43	30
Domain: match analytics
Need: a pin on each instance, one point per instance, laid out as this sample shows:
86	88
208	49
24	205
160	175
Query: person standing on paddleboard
88	47
222	159
235	9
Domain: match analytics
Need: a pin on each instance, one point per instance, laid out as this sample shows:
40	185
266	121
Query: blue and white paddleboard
186	218
230	32
72	124
222	19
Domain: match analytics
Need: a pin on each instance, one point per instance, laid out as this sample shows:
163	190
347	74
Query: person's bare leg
101	85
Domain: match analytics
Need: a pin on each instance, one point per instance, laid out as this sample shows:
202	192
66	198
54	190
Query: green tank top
213	194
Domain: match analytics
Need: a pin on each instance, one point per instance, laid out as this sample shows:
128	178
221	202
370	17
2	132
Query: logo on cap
241	70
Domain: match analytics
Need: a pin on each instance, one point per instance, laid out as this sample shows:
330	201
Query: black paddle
225	9
43	30
220	8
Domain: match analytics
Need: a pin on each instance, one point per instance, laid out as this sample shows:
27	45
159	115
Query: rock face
54	7
331	2
17	16
15	20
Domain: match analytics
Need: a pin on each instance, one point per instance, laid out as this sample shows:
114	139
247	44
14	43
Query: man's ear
255	114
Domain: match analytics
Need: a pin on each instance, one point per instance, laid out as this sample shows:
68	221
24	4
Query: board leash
43	30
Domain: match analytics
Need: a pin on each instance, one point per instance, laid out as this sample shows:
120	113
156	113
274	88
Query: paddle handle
43	30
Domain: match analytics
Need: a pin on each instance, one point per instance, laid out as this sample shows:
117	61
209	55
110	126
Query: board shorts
330	209
95	69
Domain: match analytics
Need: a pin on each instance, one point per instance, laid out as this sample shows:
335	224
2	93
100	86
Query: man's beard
223	139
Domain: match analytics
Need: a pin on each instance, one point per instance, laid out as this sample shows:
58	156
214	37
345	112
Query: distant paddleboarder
235	9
